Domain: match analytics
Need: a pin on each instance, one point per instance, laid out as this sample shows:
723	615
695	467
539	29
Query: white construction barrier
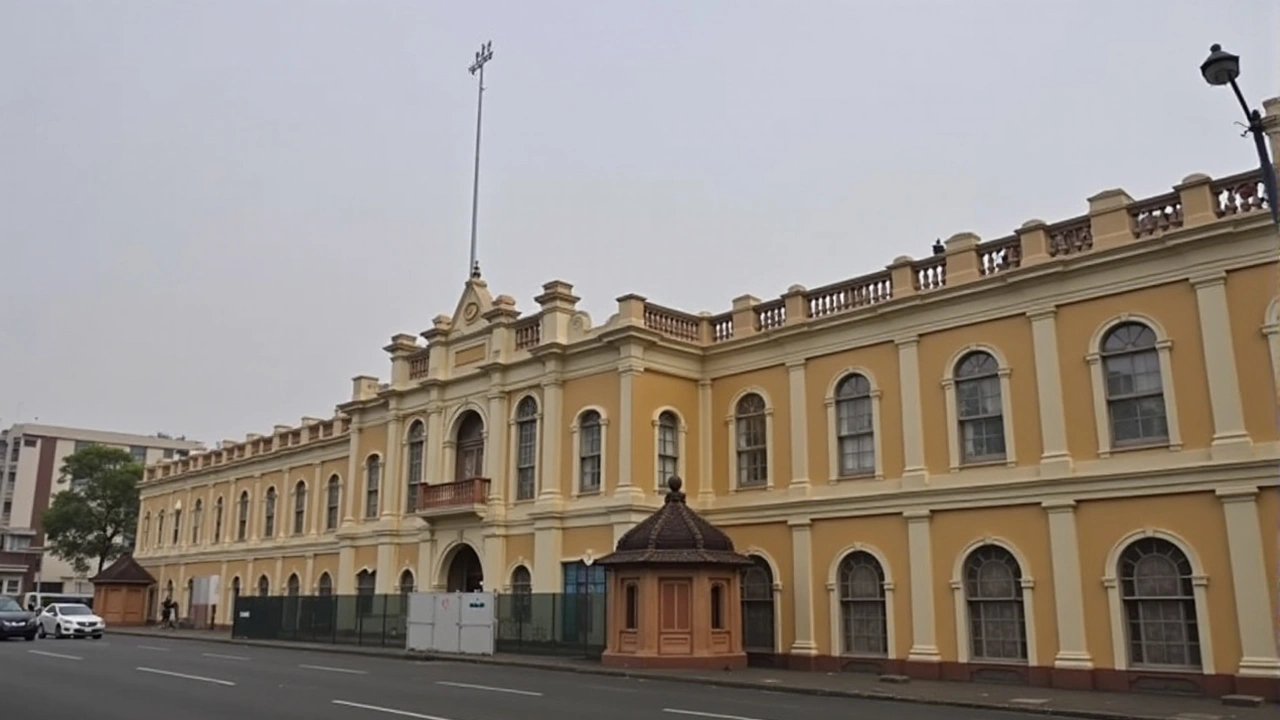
452	623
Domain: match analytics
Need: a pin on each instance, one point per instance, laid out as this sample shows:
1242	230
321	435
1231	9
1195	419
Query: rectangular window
526	459
717	607
81	445
27	442
139	453
633	607
668	454
674	608
168	453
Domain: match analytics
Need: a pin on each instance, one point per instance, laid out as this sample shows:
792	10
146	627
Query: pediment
469	315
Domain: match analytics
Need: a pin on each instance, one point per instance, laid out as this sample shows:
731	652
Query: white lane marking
224	657
153	647
706	714
325	668
54	655
389	711
184	676
489	688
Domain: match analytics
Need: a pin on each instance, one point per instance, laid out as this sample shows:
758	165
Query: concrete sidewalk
1049	701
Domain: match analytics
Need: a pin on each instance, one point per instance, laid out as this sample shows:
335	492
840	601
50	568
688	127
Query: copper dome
674	534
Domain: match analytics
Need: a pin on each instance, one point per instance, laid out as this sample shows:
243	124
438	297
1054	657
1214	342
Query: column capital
917	515
907	341
1042	314
796	365
1209	279
1059	506
1237	495
800	523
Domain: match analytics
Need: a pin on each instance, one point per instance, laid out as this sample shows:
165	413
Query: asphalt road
125	677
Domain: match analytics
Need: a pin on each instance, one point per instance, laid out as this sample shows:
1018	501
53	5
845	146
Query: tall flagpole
484	55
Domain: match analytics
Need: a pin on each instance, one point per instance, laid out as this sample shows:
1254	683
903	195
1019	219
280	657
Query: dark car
16	622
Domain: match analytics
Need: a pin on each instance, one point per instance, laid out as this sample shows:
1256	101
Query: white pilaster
1055	459
351	483
1230	439
1248	572
346	580
553	424
626	424
914	473
797	407
802	586
1068	593
392	481
924	646
547	547
706	491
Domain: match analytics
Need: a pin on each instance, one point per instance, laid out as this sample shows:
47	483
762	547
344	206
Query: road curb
643	675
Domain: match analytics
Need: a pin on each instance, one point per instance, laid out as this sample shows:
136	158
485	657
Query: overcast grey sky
213	214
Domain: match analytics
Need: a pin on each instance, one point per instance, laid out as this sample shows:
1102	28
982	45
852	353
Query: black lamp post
1222	68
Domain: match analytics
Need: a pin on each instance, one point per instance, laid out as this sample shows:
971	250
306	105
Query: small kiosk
674	593
122	592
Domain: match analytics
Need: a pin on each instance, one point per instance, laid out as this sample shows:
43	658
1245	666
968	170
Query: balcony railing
459	494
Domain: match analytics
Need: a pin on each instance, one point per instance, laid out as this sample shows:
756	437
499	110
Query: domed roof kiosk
674	593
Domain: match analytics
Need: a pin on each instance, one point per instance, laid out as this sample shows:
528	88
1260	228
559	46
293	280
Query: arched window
862	607
407	583
417	443
751	437
522	593
160	529
294	586
217	520
191	595
177	526
993	593
235	590
333	498
979	408
470	450
1134	386
758	623
299	508
366	582
324	587
855	431
242	519
668	445
264	586
1159	605
197	519
372	478
590	452
145	536
269	514
168	589
526	448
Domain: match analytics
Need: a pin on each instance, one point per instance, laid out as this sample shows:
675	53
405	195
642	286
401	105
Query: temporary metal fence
551	624
371	620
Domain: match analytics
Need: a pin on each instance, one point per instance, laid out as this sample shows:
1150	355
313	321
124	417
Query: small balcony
461	497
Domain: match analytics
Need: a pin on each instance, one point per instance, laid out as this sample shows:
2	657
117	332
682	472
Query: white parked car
75	620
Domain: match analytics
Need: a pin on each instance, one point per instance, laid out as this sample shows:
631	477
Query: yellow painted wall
327	563
1269	519
772	540
366	557
822	373
652	391
1011	338
1026	528
1195	517
580	393
886	536
1249	292
724	394
1174	307
576	542
519	550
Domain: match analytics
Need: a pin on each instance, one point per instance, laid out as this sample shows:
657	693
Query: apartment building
1046	458
30	467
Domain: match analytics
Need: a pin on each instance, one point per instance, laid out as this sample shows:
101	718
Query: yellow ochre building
1048	458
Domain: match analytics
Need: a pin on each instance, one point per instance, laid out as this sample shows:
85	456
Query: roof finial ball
674	483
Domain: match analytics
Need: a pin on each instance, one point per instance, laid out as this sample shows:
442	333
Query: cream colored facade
880	445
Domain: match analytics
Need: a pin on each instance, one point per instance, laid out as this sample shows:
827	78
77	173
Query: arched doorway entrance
758	620
469	462
465	573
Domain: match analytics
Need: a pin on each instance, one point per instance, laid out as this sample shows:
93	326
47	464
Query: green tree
93	520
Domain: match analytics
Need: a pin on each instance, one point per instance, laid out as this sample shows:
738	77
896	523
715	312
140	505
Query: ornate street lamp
1222	68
